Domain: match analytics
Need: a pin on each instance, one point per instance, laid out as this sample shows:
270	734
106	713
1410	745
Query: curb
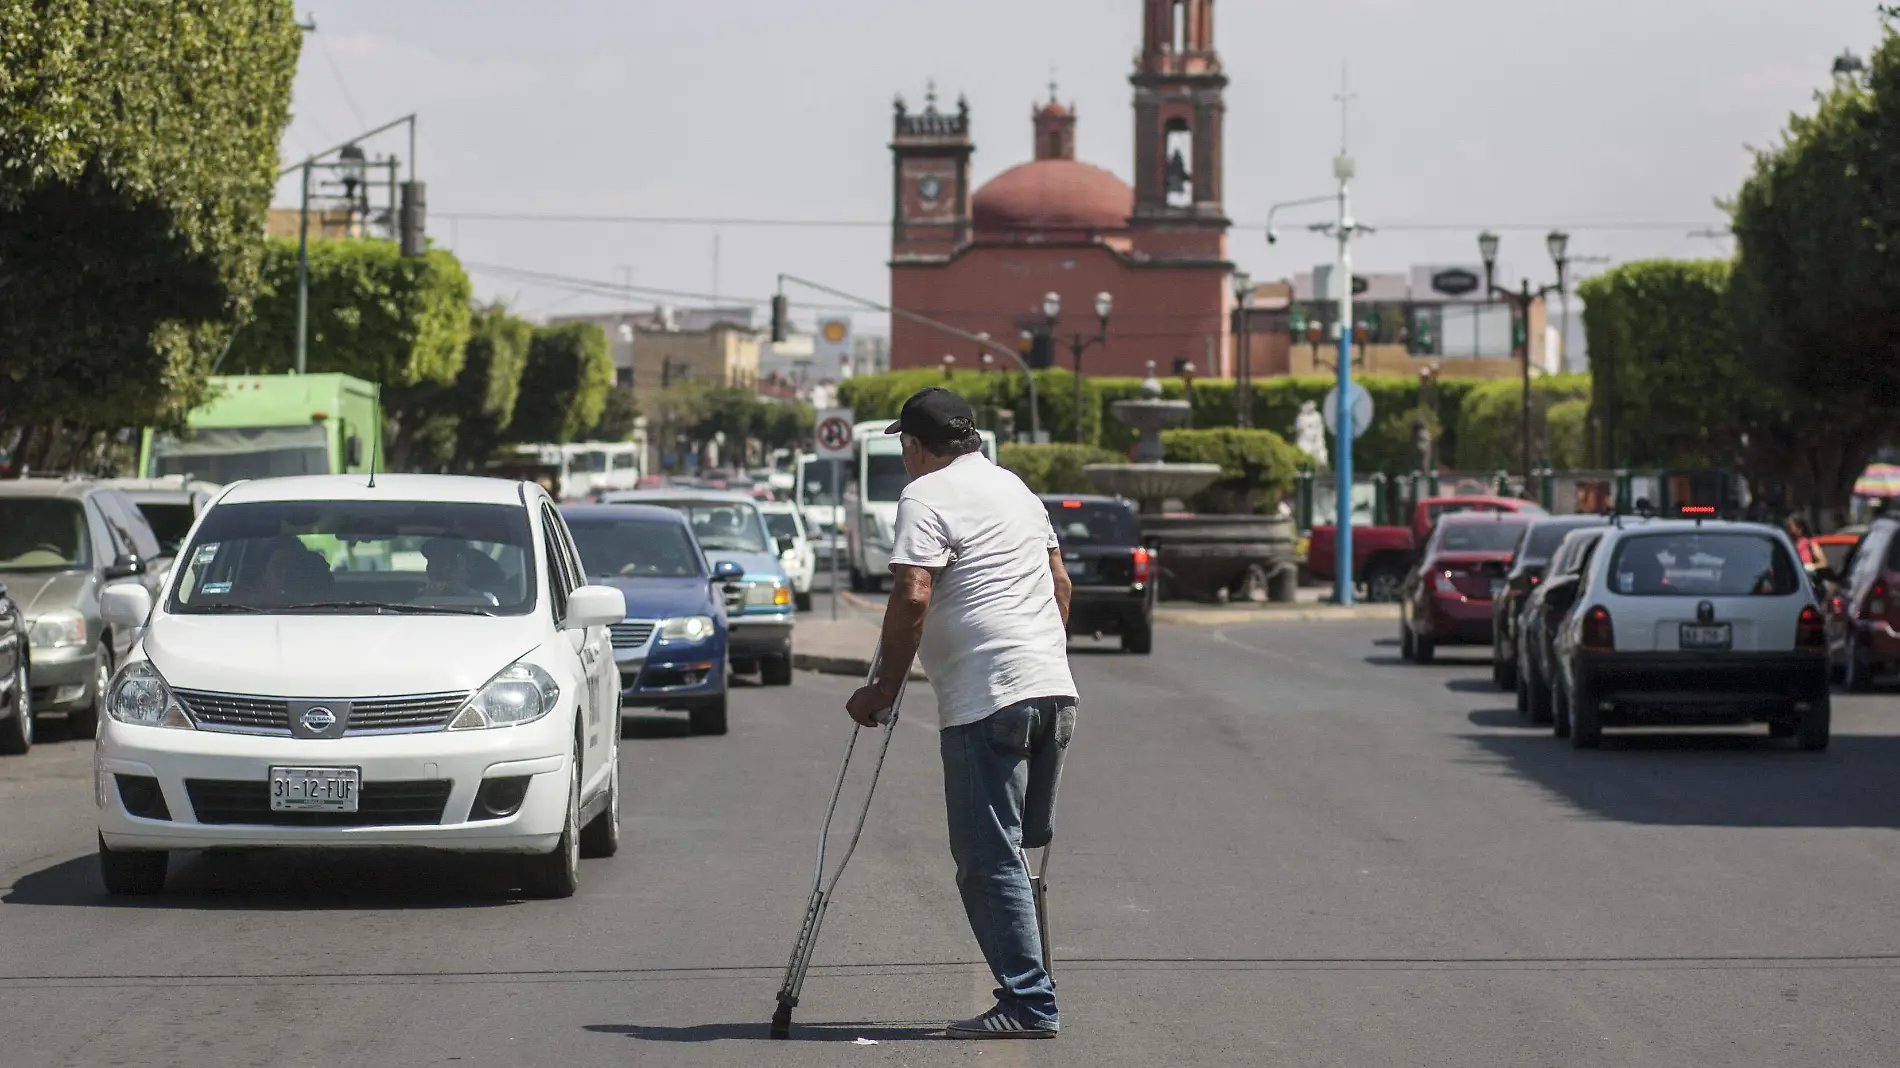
858	666
1214	617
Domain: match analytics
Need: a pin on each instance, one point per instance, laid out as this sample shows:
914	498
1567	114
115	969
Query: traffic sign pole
831	440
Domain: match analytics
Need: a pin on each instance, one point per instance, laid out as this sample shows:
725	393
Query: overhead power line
1626	226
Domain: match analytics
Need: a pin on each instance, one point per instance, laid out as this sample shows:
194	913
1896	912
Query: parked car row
1601	622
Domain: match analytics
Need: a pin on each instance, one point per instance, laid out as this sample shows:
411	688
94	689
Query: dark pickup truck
1112	571
1381	556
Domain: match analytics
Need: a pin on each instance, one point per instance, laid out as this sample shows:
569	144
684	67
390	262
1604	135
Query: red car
1446	598
1863	616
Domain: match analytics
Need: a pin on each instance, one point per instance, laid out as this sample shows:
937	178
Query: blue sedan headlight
687	629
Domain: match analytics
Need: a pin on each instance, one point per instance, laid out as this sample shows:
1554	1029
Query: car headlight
687	629
140	696
522	693
58	630
767	594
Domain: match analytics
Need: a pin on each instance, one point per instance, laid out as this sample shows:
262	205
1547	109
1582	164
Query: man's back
994	634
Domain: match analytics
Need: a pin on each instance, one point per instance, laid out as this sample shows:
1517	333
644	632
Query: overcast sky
1620	119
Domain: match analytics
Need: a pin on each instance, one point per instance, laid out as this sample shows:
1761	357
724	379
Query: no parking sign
832	435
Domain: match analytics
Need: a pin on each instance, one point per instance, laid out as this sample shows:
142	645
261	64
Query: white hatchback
1684	622
336	664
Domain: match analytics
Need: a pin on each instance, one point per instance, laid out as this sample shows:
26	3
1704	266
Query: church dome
1053	194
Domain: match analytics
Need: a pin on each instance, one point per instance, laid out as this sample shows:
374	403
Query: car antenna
373	448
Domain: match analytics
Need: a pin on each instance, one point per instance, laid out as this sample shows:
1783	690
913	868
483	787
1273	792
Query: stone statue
1309	432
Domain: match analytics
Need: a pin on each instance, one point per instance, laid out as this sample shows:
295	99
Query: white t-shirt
993	635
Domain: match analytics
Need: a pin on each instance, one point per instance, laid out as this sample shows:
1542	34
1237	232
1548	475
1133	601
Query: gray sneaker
997	1023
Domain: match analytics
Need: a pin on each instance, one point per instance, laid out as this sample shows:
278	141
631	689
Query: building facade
981	259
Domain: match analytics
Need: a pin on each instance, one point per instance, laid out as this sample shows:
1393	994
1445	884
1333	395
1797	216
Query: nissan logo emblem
1705	612
318	719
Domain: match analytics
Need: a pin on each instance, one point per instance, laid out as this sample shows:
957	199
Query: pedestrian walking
979	593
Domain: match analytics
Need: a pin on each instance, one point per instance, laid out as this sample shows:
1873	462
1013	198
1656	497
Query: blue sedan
671	649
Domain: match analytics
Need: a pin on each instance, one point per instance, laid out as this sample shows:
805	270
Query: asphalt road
1278	845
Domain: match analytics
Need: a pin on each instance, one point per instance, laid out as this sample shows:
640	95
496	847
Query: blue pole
1342	440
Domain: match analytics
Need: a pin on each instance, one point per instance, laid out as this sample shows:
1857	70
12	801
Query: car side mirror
1562	593
594	606
125	606
727	569
126	566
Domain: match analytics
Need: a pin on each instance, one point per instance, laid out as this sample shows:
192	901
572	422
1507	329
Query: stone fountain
1206	557
1150	480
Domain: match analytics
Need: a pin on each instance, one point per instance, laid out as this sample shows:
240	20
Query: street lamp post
1520	304
949	365
1243	363
1052	310
1558	244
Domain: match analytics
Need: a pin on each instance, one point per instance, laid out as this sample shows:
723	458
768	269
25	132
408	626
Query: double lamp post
1521	301
1051	313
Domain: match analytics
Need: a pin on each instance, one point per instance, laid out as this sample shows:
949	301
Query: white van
871	501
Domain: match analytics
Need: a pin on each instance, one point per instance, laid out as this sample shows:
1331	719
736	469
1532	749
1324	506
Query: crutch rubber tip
782	1022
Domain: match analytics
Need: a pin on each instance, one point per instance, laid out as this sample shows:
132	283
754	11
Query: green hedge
1258	467
1492	418
1055	468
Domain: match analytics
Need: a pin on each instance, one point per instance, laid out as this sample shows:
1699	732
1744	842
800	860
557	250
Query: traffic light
781	327
413	219
1038	349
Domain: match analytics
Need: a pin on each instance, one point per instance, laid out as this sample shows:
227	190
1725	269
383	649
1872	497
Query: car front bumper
1688	688
457	760
62	679
673	678
750	637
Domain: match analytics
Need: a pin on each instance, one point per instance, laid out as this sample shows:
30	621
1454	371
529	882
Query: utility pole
1343	170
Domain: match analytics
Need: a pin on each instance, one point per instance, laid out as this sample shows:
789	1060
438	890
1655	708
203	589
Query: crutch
822	887
1039	892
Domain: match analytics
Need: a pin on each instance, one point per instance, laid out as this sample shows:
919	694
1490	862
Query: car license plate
315	789
1704	636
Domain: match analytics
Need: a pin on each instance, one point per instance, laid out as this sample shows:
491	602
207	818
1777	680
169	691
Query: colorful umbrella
1879	480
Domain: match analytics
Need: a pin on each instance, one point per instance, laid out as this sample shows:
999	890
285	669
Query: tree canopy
564	386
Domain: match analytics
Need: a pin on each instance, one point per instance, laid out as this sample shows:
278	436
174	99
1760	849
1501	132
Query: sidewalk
841	647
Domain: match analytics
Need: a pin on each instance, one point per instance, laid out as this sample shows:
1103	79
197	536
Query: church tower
1180	109
930	157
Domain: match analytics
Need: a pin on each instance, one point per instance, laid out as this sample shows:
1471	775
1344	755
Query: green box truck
266	426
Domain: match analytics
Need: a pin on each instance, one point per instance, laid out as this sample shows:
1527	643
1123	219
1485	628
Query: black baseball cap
935	416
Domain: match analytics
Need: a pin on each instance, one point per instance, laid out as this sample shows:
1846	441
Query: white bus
877	481
589	467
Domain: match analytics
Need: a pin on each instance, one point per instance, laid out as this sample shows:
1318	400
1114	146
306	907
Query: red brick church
982	260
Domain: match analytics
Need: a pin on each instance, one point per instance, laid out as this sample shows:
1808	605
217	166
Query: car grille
735	597
631	635
381	804
242	713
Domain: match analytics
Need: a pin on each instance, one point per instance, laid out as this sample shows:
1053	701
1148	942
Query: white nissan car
332	663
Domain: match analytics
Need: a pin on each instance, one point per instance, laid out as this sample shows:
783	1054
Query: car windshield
1092	523
359	557
732	527
819	476
1498	537
781	524
169	520
1702	564
229	454
884	476
646	548
42	534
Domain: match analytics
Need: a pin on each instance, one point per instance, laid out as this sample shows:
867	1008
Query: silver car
62	542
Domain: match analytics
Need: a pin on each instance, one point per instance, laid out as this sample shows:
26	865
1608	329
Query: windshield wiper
386	606
214	609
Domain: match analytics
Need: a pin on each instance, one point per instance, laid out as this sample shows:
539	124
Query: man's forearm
903	633
1064	587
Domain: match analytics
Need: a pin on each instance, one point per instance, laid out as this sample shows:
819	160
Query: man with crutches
981	597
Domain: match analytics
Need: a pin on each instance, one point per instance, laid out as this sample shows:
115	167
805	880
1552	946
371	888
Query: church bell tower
1180	109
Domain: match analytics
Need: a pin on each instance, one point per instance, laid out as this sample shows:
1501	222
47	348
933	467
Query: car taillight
1144	565
1810	634
1876	600
1535	579
1598	635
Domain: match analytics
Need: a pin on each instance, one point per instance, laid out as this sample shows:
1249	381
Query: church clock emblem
930	188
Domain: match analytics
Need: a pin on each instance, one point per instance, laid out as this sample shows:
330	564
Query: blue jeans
999	786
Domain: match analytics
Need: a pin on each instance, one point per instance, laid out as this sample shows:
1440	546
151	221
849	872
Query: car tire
1503	672
601	836
857	580
1812	729
1586	722
1423	650
1383	584
1858	672
1782	728
557	873
709	718
132	873
1540	698
1407	650
776	670
802	601
1139	639
84	723
16	731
